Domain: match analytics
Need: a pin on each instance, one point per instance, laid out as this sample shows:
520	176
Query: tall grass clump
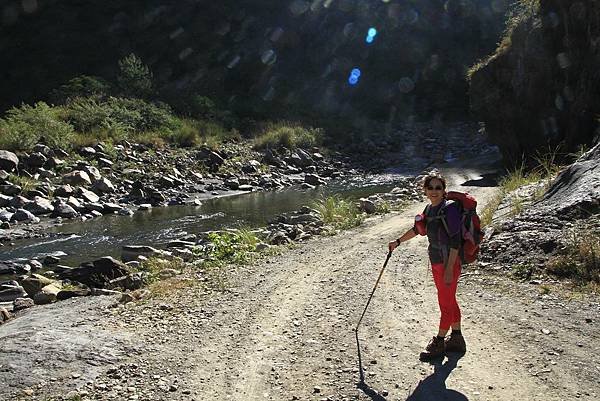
288	135
202	132
25	126
339	213
226	247
580	257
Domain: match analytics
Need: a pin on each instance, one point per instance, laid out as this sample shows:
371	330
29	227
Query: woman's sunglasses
434	188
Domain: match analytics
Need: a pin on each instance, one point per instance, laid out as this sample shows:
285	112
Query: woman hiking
443	225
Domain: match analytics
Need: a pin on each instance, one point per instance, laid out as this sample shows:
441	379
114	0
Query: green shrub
119	115
82	86
25	126
202	132
230	247
288	135
339	213
203	108
135	78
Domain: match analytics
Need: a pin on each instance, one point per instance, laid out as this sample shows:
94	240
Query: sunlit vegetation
288	135
339	213
579	260
24	126
546	170
26	183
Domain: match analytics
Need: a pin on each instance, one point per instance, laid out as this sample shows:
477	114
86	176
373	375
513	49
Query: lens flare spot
406	85
372	32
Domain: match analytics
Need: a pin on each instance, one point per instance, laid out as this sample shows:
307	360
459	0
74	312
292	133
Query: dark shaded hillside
266	57
541	87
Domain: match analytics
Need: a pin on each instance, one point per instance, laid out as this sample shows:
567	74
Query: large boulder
8	161
97	273
575	192
34	284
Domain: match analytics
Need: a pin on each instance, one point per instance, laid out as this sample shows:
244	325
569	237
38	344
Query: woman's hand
393	245
448	273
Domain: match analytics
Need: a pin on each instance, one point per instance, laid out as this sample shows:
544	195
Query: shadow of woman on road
433	387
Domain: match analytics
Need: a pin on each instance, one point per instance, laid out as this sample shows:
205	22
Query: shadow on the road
433	387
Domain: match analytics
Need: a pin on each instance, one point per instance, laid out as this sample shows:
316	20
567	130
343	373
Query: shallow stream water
88	240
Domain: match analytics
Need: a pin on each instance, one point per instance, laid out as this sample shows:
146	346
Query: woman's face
435	191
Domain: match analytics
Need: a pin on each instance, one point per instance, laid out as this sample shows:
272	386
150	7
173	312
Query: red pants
450	312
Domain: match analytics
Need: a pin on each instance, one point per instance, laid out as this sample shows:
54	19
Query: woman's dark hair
431	176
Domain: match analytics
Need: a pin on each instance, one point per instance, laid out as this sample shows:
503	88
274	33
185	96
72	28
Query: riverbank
283	330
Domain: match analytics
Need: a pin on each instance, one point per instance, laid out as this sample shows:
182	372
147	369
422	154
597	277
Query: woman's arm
404	237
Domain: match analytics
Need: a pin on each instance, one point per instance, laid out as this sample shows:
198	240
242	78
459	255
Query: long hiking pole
360	368
374	288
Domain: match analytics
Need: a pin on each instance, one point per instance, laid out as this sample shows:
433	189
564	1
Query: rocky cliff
540	88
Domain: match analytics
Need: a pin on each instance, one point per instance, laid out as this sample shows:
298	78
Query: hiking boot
434	349
456	343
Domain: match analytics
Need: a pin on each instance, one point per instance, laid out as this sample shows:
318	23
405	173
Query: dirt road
284	331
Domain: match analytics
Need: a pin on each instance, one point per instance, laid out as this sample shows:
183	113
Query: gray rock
4	315
87	196
313	179
64	191
232	183
62	209
39	206
43	149
48	294
132	252
72	292
111	208
92	172
10	189
76	178
10	292
36	159
8	160
133	281
103	162
34	283
166	182
87	151
23	215
97	273
246	187
22	303
5	200
367	205
575	192
19	201
103	185
46	173
5	215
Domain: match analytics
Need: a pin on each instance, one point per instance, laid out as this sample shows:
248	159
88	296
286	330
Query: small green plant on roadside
383	207
227	247
580	258
339	213
544	289
490	208
522	271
